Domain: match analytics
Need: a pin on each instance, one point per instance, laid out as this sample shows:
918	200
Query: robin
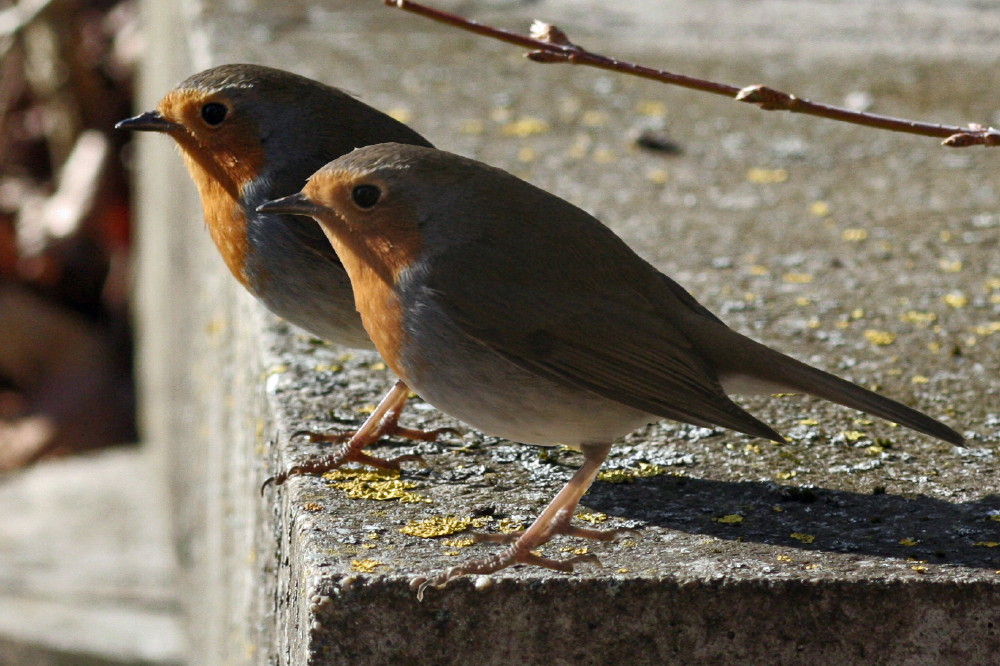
528	319
249	134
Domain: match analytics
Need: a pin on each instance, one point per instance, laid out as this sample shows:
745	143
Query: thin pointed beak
151	121
295	204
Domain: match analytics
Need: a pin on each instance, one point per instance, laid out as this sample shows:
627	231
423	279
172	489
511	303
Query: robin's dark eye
214	113
366	196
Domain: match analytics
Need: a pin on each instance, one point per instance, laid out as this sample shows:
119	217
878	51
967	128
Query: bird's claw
320	466
496	562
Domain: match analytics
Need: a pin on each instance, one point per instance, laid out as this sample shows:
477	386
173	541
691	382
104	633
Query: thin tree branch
549	44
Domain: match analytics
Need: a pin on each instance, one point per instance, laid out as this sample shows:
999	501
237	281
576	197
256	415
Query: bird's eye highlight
366	196
214	113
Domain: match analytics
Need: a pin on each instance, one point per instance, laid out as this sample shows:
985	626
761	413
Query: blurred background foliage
65	341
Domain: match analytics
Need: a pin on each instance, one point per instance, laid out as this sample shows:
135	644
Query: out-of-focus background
86	571
65	341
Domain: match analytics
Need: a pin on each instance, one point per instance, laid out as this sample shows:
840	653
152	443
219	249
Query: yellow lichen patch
579	550
462	542
804	538
854	235
919	568
312	506
918	318
525	126
995	516
920	379
645	469
950	265
276	370
526	154
955	299
785	476
592	517
819	209
852	436
625	570
378	366
400	114
604	156
908	542
729	519
366	566
578	151
365	409
880	338
328	367
658	176
374	484
616	476
651	108
758	269
507	526
803	301
808	422
783	558
797	278
763	176
642	470
594	119
987	544
436	526
987	330
215	328
874	450
752	448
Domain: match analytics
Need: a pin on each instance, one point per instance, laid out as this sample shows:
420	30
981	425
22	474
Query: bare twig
549	44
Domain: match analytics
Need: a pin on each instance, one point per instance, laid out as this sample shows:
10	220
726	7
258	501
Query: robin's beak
151	121
295	204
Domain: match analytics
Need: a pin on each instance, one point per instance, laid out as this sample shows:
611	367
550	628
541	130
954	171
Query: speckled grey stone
854	542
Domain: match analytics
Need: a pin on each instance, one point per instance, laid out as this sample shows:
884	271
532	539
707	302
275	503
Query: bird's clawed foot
346	454
569	530
517	553
383	422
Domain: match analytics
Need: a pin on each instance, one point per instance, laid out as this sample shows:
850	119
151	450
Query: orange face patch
376	246
222	161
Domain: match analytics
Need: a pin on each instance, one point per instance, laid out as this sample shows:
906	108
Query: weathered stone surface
855	541
87	574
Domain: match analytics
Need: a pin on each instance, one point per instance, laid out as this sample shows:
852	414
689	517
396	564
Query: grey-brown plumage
524	316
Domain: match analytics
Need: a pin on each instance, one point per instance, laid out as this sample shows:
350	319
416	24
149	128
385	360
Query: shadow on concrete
838	521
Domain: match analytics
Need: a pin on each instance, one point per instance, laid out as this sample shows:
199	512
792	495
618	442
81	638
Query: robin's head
373	202
237	124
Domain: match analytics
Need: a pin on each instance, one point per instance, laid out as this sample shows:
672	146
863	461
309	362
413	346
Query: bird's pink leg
383	422
555	519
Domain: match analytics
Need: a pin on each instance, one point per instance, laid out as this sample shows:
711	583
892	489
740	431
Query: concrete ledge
856	541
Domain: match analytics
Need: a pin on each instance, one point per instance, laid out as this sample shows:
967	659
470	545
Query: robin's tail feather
748	362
